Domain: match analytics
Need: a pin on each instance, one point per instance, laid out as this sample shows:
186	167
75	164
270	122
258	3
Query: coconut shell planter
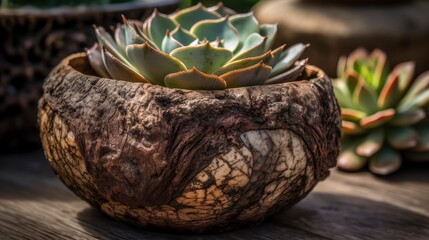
34	40
217	145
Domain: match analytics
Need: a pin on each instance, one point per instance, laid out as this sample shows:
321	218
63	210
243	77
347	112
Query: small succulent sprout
384	113
196	48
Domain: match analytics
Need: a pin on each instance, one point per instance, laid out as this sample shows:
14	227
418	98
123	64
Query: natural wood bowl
188	160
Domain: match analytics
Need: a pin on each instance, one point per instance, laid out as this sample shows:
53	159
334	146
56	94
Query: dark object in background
237	5
33	42
55	3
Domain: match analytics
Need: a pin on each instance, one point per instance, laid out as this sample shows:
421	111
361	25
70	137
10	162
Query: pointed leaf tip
188	17
144	57
217	28
378	118
96	60
253	75
119	70
205	57
288	58
290	75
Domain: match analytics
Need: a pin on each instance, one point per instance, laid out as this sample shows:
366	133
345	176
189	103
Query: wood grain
34	204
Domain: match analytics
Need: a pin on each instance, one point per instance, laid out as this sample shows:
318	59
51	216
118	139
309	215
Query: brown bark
189	160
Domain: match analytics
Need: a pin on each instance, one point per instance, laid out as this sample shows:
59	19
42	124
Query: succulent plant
385	114
196	48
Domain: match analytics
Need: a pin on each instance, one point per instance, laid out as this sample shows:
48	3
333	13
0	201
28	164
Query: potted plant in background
36	35
190	121
385	113
336	27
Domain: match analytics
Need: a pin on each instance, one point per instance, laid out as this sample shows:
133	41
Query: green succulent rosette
196	48
384	113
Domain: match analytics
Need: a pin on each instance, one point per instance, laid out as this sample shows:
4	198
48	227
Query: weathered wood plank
34	204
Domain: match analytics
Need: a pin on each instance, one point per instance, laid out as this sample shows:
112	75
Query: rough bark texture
33	42
188	160
335	30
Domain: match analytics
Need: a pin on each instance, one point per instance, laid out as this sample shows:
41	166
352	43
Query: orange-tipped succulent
384	113
196	48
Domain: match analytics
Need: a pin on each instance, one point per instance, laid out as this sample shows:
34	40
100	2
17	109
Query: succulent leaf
246	24
420	85
96	61
119	70
120	37
351	114
203	57
131	35
377	119
188	17
218	28
194	80
169	44
253	75
343	95
352	80
144	57
277	54
252	47
342	68
402	138
380	69
405	72
355	58
420	100
222	10
365	97
158	25
244	63
349	160
409	118
106	41
288	58
391	93
139	29
371	144
352	128
385	161
183	36
270	31
290	75
423	143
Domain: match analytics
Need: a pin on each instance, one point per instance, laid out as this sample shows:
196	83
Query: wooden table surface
34	204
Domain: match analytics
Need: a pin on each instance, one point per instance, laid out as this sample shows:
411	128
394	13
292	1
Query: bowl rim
31	12
315	74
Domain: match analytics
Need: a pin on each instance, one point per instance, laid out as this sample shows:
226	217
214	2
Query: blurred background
36	34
